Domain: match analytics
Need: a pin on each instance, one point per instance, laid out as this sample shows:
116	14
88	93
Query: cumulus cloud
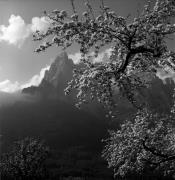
17	30
11	87
103	56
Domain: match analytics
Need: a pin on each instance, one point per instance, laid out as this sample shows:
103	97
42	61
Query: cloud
40	24
11	87
75	57
17	30
103	56
8	86
163	75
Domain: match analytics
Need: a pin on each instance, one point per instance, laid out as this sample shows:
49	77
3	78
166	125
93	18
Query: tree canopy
137	46
143	145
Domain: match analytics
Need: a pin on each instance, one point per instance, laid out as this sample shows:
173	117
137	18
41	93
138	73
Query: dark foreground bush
25	161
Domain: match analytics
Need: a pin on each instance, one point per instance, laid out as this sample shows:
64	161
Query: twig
90	9
73	6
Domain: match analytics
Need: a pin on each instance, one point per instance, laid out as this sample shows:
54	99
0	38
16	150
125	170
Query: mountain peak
60	70
56	78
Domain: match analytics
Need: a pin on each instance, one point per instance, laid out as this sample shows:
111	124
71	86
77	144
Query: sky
20	66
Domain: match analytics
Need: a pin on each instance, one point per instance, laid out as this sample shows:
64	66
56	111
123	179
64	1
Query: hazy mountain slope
60	124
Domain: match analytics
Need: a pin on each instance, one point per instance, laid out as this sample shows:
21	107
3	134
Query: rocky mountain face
55	79
60	71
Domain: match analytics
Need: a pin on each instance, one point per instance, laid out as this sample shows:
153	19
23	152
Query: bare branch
90	9
158	154
73	6
102	4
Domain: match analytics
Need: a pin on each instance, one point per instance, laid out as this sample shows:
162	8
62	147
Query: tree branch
125	64
90	9
102	4
137	50
158	154
142	49
73	6
153	150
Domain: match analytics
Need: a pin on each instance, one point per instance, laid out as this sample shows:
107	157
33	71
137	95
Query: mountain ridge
60	73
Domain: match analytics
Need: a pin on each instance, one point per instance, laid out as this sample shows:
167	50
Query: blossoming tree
138	47
144	146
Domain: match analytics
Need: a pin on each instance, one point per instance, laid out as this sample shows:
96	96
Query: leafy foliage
137	47
26	160
144	145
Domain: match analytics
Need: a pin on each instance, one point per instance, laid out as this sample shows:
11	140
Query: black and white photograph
87	89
